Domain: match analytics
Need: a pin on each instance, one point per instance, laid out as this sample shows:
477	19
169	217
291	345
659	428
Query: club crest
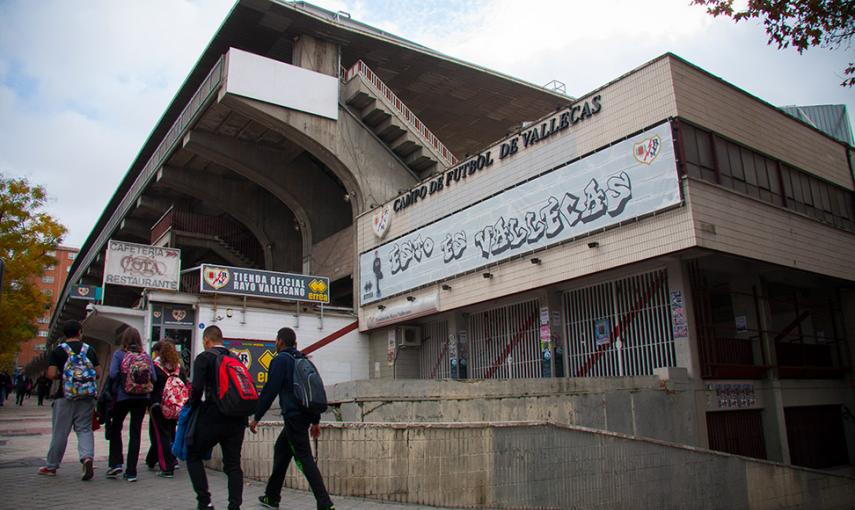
244	356
646	150
380	221
179	315
82	291
217	277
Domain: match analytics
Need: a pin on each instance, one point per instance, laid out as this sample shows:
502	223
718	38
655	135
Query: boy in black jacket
212	427
293	441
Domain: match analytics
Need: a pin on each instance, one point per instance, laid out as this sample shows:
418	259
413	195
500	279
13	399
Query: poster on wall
256	355
632	178
678	315
140	265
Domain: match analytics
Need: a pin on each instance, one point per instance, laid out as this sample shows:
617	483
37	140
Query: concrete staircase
393	123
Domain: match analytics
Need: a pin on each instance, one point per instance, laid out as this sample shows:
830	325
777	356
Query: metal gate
504	342
620	328
434	361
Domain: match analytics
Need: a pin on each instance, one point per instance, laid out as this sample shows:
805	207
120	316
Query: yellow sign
265	359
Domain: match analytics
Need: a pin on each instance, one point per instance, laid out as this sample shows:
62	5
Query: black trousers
161	434
212	428
136	408
293	442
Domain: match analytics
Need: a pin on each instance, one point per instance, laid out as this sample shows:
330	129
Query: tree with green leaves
27	237
800	24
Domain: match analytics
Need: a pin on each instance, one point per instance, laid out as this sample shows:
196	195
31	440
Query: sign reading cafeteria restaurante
242	281
140	265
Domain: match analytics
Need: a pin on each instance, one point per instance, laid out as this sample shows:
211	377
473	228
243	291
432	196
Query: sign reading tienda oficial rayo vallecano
241	281
632	178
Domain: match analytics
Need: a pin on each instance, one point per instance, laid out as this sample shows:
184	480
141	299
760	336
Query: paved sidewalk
24	440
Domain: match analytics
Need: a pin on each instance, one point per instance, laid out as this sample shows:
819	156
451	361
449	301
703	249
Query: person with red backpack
132	375
229	397
170	393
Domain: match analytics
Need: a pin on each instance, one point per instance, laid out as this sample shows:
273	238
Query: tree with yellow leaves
27	236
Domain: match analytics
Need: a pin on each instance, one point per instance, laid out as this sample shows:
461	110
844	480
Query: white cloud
83	82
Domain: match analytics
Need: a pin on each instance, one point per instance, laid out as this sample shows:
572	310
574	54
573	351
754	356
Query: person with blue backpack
75	363
302	399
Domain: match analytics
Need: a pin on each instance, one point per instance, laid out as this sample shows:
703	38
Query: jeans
136	408
68	414
293	442
212	429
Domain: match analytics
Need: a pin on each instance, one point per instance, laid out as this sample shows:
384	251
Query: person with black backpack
302	399
229	397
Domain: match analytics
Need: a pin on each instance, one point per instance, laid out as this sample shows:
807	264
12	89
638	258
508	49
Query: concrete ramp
528	465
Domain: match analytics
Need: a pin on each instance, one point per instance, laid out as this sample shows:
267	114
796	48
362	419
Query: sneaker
88	470
46	471
151	467
209	506
130	478
166	474
114	472
266	502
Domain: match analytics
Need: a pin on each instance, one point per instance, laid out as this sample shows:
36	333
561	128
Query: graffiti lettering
453	246
142	266
417	249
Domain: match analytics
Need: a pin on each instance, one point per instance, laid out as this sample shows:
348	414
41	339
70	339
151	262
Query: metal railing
361	69
222	227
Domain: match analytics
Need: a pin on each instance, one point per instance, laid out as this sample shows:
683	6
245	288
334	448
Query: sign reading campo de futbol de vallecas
241	281
140	265
628	179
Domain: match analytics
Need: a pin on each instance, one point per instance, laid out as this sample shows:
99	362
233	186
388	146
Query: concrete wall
640	406
541	465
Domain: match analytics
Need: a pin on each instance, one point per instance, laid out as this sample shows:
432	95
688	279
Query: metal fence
504	342
434	360
619	328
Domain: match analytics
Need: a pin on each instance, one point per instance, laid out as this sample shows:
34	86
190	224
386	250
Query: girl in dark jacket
161	430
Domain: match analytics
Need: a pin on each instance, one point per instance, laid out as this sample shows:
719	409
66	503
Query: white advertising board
282	84
140	265
632	178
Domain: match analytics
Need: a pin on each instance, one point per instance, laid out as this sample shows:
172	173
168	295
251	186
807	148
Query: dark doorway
816	437
737	432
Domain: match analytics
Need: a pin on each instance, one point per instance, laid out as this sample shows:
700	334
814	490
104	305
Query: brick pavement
24	439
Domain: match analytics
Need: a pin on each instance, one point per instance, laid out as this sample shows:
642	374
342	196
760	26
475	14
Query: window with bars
434	358
714	159
504	343
619	328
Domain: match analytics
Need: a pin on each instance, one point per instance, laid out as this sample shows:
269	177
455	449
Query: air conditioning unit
408	336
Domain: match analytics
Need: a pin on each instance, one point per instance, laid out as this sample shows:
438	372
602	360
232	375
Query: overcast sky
83	82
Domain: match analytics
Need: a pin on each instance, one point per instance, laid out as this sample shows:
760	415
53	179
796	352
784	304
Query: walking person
299	421
21	389
42	388
213	426
5	383
169	395
132	374
76	365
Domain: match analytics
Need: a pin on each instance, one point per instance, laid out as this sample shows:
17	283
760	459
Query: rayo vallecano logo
244	356
380	221
217	277
646	150
82	291
179	314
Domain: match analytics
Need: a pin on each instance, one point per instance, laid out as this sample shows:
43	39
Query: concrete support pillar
686	346
774	422
316	54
